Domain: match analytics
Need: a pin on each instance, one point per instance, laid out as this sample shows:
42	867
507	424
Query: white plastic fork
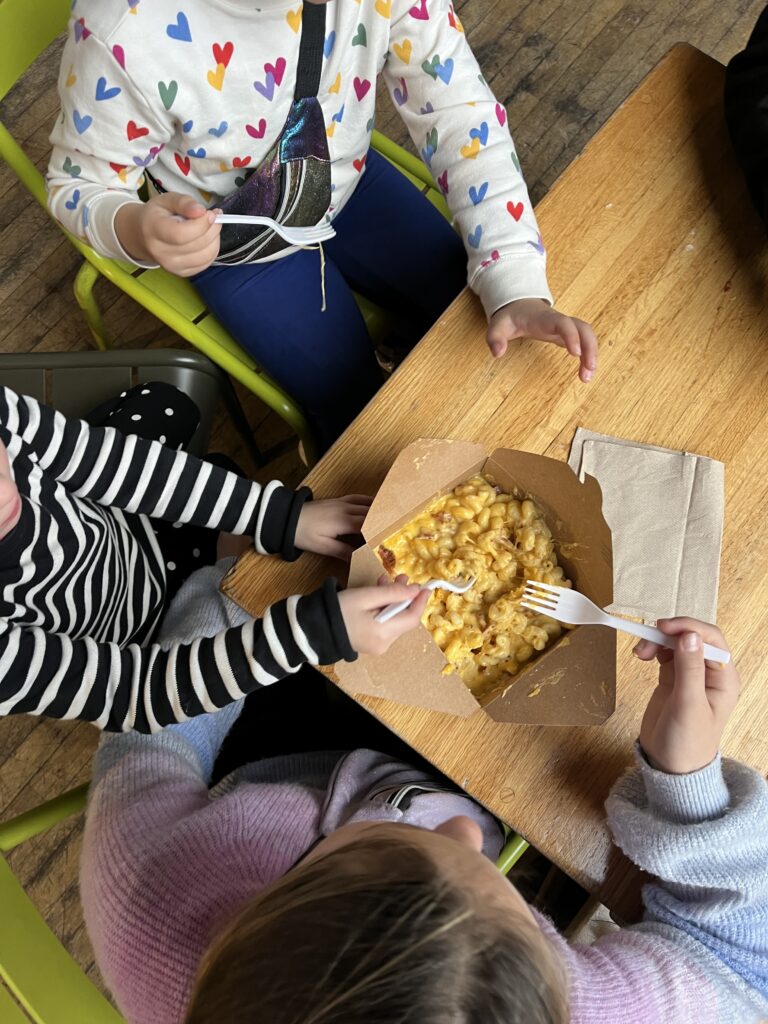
296	236
570	606
455	588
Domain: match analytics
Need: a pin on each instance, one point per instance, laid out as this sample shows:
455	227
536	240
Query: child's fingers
497	339
588	340
184	232
183	205
364	500
376	598
411	617
334	548
683	624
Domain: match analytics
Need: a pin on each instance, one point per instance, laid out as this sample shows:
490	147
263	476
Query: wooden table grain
653	240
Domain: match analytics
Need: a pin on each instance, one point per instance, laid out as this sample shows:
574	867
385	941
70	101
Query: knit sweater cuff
510	278
685	799
102	210
320	616
278	531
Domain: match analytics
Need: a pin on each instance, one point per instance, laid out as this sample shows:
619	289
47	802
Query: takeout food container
572	682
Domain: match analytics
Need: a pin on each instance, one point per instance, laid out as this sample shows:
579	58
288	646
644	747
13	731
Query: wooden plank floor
561	67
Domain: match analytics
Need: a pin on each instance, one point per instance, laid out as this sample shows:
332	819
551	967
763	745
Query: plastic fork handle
656	636
394	609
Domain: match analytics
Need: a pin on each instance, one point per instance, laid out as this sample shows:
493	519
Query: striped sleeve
147	688
139	476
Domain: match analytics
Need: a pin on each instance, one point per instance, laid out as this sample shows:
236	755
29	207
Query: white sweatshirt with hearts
199	90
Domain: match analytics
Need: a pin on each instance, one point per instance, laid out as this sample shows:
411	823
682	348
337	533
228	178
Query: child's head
10	503
385	924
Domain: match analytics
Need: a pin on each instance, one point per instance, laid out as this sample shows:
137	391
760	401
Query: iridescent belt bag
292	184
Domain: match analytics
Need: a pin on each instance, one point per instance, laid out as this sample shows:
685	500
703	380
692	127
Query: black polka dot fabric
160	412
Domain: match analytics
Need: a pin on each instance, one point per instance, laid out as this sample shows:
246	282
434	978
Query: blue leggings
391	246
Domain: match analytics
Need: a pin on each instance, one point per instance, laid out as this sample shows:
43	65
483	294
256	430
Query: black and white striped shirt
82	579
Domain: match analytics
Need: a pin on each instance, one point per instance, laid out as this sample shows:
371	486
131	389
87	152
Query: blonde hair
371	934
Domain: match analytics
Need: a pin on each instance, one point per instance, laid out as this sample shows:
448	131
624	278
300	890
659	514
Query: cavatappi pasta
478	530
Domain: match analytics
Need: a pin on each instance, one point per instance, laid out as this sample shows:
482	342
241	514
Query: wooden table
652	239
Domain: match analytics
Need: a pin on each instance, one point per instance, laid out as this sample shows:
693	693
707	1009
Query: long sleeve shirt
197	93
700	956
82	579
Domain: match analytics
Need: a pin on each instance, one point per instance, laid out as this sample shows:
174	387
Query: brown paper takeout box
573	682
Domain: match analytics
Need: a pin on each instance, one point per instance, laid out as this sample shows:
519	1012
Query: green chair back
27	27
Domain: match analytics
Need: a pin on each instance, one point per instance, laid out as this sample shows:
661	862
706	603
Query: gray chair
76	382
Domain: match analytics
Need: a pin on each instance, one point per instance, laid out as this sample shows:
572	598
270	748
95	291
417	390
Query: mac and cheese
480	531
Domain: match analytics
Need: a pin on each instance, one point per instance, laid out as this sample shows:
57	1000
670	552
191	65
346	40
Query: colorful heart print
480	133
515	210
359	164
106	92
168	93
336	87
179	29
362	87
328	44
384	8
442	182
69	168
515	161
470	151
294	19
400	93
404	50
419	11
71	204
82	122
474	236
538	245
360	37
81	32
495	255
277	70
223	54
187	127
267	89
135	131
429	109
119	54
477	195
444	70
218	132
501	114
338	117
216	78
143	161
435	68
257	131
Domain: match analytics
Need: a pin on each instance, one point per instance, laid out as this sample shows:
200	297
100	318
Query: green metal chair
44	980
27	28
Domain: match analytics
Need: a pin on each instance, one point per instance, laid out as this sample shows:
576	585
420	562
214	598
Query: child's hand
534	318
10	501
173	230
361	605
687	712
322	523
